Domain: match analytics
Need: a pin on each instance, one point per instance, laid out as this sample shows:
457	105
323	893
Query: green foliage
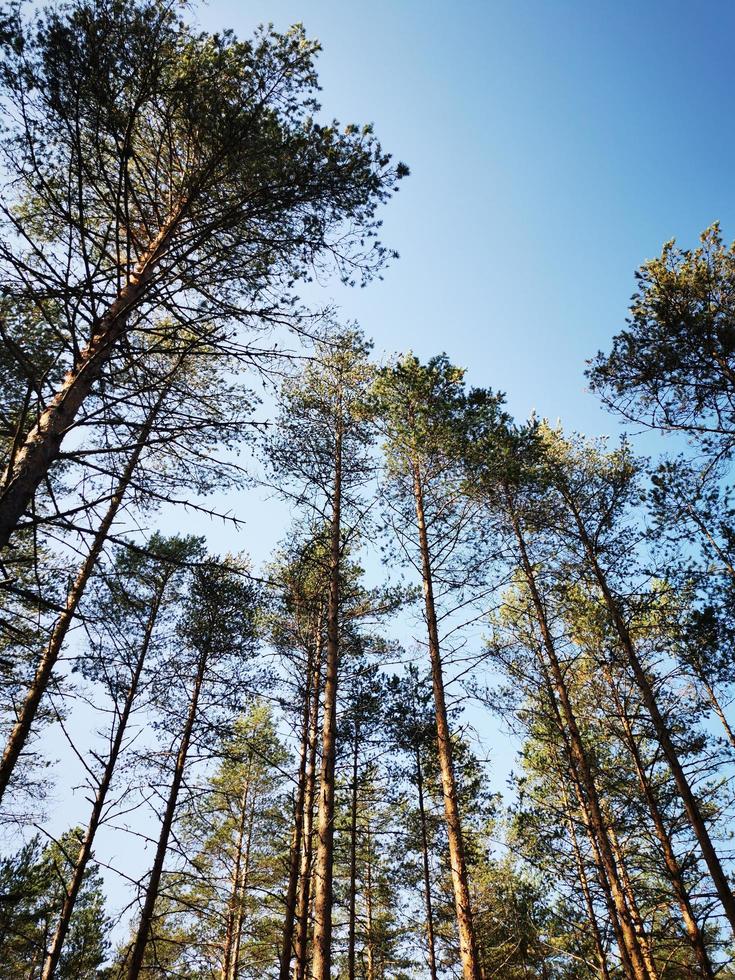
32	883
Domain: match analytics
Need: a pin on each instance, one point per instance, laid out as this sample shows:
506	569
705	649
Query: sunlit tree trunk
691	805
299	807
463	907
324	860
232	905
42	444
242	891
430	943
303	904
586	891
27	713
85	850
137	952
353	859
673	867
578	754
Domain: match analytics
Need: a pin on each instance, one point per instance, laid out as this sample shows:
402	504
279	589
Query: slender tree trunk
242	892
691	805
296	843
234	894
586	892
322	942
42	444
142	936
644	940
430	944
304	897
671	862
53	953
581	765
369	938
626	939
353	862
463	907
717	707
26	716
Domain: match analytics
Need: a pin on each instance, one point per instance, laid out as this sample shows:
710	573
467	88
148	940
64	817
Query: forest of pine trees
285	770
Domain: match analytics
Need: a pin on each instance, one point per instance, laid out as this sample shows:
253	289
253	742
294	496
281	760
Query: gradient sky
553	145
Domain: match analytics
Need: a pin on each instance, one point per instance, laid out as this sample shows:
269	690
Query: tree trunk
430	945
587	893
227	957
717	707
72	890
304	897
137	952
581	765
369	950
21	730
644	940
688	798
42	444
353	862
673	868
242	892
296	843
322	943
467	943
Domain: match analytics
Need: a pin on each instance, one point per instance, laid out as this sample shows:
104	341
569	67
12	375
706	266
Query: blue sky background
554	145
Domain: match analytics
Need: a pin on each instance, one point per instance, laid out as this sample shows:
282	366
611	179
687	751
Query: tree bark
242	892
644	940
717	707
581	764
463	907
323	865
53	953
691	805
42	444
137	952
21	730
587	893
307	848
369	950
353	862
430	944
296	843
673	868
227	957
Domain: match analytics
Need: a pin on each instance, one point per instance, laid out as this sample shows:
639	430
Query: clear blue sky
553	146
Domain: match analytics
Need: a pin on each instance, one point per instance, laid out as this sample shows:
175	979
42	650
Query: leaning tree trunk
580	762
430	943
691	804
323	865
42	444
53	953
21	730
142	935
586	892
644	940
673	868
463	907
